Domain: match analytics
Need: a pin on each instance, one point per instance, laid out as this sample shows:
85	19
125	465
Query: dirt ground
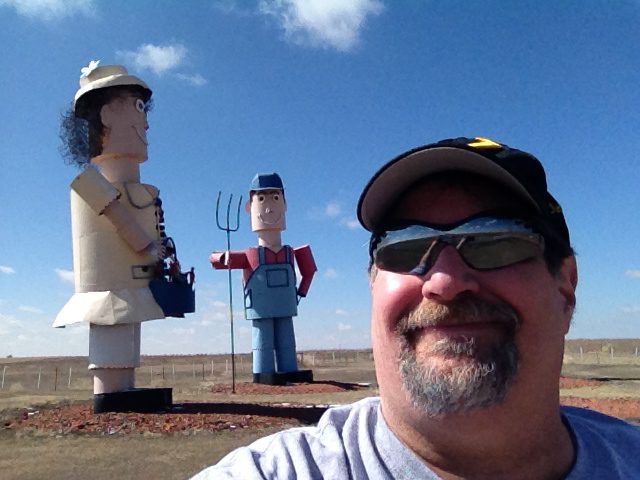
198	417
48	433
191	417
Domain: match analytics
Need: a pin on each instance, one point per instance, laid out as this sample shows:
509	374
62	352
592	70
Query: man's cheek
394	296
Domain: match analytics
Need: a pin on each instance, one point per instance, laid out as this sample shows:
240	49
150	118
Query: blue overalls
270	302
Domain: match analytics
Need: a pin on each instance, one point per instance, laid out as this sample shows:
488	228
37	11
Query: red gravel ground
186	417
191	418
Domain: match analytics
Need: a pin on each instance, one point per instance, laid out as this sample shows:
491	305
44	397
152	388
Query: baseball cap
517	170
266	181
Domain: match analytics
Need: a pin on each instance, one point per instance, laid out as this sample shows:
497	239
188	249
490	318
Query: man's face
267	209
125	119
458	339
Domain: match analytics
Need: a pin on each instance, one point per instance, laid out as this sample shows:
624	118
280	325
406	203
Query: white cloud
218	304
322	23
50	9
231	6
196	80
7	322
4	269
631	309
342	313
332	209
183	331
350	222
632	273
29	309
343	327
330	273
157	58
65	275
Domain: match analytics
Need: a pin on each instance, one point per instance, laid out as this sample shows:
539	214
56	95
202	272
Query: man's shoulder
600	423
606	447
302	452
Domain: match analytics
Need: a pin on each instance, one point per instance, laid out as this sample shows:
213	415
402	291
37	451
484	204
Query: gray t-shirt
354	442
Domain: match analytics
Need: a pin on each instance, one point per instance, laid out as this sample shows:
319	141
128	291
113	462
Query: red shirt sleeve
307	267
236	260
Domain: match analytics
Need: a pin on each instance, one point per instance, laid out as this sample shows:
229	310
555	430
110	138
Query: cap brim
392	180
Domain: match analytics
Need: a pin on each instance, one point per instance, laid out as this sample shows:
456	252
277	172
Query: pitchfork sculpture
227	227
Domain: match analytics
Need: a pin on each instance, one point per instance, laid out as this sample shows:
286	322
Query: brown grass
30	456
74	457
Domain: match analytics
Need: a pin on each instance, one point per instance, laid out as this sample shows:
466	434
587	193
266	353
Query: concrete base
141	400
282	378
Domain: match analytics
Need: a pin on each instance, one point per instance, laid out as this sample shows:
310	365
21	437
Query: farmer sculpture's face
267	209
125	122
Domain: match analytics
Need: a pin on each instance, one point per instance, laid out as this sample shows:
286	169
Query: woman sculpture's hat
94	77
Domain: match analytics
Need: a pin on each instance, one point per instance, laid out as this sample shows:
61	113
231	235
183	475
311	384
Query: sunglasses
485	243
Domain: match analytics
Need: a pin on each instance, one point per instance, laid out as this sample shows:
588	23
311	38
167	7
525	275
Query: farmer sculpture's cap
519	171
94	77
266	181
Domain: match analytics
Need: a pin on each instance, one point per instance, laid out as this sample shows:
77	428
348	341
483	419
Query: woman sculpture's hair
81	128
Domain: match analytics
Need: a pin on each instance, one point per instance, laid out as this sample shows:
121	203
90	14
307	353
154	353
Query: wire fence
72	373
60	374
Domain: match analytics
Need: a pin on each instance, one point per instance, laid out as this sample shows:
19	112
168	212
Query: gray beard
482	377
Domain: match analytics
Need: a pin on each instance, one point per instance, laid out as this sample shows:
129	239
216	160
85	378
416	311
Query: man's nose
449	277
267	210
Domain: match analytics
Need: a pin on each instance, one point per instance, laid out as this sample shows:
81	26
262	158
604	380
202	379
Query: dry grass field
30	385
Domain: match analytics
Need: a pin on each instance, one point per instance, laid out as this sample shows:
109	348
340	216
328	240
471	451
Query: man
270	292
473	288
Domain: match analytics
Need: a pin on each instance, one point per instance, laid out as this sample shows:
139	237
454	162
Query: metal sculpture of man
271	292
119	243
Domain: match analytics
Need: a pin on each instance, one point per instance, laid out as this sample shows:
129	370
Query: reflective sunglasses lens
401	257
490	253
481	253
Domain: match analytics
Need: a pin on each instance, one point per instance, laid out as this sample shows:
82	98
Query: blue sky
322	92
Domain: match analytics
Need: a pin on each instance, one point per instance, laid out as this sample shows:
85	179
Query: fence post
55	382
333	354
173	372
163	372
39	375
4	370
212	368
580	352
150	374
194	370
69	381
203	372
636	356
611	350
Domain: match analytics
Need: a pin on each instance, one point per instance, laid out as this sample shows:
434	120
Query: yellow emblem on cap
555	208
484	143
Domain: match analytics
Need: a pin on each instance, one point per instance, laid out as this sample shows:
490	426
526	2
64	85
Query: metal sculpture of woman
118	233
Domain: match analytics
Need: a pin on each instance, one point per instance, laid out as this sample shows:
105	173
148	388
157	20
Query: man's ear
247	206
567	283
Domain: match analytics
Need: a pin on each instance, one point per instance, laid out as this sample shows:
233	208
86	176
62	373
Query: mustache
467	308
